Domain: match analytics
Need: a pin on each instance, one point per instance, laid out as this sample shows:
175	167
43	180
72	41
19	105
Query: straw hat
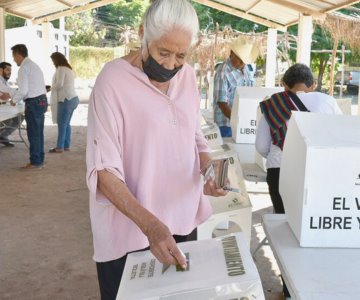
245	50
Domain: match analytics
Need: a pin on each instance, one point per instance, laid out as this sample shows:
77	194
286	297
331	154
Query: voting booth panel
345	105
220	268
212	134
259	160
320	179
243	112
233	212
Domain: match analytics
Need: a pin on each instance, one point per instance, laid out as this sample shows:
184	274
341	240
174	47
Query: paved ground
46	246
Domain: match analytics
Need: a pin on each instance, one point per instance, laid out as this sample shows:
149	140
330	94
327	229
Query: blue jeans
35	109
225	131
64	114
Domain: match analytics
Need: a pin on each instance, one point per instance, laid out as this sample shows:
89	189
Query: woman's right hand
163	245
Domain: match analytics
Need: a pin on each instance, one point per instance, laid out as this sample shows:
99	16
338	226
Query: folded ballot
220	268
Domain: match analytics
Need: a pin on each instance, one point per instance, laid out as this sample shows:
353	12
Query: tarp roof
272	13
47	10
277	14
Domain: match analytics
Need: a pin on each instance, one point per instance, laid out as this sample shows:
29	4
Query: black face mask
157	72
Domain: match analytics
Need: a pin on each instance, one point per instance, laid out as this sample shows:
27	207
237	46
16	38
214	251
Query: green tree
85	31
123	12
13	21
208	17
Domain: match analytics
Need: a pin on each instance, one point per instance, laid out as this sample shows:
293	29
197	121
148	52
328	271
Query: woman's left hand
210	189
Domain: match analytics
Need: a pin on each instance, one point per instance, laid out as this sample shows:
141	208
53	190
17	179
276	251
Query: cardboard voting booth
243	112
220	268
345	105
259	160
212	134
233	212
320	179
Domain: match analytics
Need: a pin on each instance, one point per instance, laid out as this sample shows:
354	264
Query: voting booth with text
212	134
320	179
244	110
219	269
233	212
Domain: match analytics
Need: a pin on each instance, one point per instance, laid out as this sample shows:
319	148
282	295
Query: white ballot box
212	134
320	179
345	105
243	112
207	115
220	268
233	212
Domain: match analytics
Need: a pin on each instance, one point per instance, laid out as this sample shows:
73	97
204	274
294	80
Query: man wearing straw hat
229	75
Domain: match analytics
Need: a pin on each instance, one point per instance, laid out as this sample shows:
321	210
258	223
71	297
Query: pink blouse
150	141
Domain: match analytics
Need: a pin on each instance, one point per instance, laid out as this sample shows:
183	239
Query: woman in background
64	100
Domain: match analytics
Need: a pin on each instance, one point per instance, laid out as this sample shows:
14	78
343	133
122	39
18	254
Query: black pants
110	272
272	180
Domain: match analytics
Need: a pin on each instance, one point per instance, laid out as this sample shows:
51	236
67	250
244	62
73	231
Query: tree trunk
322	67
332	71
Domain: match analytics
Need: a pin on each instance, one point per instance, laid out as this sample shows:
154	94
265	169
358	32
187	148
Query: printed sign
319	179
244	112
220	268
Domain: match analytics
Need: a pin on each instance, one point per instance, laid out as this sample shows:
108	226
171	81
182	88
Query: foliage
87	62
115	16
208	17
13	21
85	31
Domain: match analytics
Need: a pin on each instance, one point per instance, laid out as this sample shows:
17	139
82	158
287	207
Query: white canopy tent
42	11
275	14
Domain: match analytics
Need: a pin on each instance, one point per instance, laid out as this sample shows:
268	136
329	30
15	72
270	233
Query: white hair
163	16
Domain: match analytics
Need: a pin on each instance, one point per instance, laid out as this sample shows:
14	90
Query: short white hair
162	16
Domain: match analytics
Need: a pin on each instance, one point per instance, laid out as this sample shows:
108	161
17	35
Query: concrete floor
45	236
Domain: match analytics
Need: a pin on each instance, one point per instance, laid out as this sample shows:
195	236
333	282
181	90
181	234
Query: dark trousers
35	109
272	180
110	273
225	131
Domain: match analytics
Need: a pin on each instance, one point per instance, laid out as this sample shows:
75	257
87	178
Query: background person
271	133
63	100
31	89
145	149
229	75
12	124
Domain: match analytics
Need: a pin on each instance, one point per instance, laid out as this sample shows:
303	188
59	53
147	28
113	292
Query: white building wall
32	37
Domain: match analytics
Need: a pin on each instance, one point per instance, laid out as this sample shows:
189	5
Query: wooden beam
340	6
241	14
252	6
15	13
326	2
65	3
300	8
71	11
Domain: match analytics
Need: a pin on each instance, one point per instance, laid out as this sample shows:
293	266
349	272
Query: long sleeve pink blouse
151	142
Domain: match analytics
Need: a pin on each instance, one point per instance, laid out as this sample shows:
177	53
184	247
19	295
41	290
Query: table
8	112
313	273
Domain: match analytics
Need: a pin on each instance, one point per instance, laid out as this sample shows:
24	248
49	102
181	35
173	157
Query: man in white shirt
12	124
32	90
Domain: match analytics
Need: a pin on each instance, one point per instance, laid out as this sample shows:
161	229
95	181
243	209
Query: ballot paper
220	268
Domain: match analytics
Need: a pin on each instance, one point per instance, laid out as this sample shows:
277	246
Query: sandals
56	150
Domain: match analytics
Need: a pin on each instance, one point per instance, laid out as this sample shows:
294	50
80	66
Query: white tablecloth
313	273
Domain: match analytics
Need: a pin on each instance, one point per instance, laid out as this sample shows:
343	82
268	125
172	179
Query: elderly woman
145	150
